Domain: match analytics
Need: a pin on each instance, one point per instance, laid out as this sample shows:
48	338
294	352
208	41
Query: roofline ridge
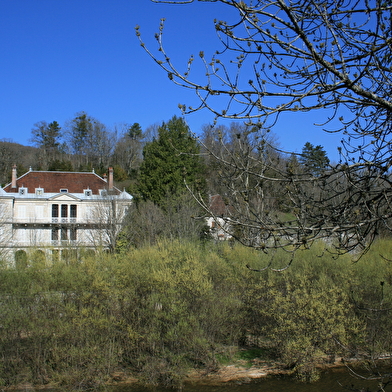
17	178
60	171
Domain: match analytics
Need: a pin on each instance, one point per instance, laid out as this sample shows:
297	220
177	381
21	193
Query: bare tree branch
281	56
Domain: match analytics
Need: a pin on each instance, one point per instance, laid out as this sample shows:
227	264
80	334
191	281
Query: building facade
57	212
219	222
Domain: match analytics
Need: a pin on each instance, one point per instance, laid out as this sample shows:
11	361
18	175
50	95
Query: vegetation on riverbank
159	311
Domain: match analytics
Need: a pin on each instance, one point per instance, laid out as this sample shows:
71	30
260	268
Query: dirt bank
240	372
232	373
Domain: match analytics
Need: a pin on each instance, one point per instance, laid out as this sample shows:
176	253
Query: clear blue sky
60	57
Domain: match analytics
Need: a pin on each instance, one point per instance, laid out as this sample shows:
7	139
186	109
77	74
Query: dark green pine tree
313	159
47	138
168	160
80	127
135	131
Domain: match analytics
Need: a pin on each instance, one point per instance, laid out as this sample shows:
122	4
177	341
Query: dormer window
39	191
103	192
63	190
88	192
23	191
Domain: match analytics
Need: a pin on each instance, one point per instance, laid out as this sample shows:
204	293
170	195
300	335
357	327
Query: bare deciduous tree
106	219
128	152
285	56
90	141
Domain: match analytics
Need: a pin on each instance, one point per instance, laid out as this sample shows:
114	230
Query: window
63	190
72	234
64	234
103	192
55	210
64	210
39	191
88	192
55	234
23	191
73	211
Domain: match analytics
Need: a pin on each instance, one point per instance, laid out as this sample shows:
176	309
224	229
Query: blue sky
60	57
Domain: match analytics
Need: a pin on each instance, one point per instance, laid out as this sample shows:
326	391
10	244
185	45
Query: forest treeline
84	143
155	312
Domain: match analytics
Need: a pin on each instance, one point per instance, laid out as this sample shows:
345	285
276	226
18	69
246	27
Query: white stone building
219	223
54	212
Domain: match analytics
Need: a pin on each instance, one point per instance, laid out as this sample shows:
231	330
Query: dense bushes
158	311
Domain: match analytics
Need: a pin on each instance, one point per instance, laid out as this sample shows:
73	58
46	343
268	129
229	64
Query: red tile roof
52	182
218	206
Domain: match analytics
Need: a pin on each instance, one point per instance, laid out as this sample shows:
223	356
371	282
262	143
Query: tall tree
79	129
289	56
170	160
135	131
47	137
314	159
90	141
128	150
100	145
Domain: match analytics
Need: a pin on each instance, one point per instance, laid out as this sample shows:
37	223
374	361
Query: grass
245	356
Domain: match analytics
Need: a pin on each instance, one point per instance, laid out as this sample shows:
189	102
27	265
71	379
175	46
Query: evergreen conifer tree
314	159
170	159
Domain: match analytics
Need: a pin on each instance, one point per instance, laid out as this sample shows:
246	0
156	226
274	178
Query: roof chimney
13	180
110	178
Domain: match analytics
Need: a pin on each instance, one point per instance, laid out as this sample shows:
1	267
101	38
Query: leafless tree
89	142
147	222
106	220
286	56
128	152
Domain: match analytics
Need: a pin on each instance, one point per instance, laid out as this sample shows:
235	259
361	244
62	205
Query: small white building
219	222
54	212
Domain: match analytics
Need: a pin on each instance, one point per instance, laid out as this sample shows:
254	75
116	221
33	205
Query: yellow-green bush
157	311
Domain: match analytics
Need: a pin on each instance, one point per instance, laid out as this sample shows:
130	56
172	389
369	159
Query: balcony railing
64	220
42	221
